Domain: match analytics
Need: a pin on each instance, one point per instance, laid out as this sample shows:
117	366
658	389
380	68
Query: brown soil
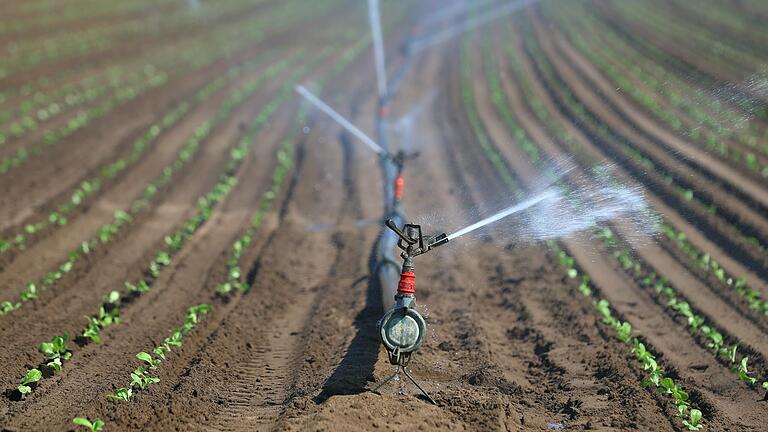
512	345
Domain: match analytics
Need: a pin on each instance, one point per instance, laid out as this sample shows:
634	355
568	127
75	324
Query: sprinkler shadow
356	368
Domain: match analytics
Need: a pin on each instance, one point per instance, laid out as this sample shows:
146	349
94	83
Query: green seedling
670	387
623	331
175	338
93	426
141	287
29	293
604	308
162	350
744	372
163	259
175	241
154	269
693	423
32	376
56	350
93	330
7	307
148	358
193	314
96	324
730	354
113	298
121	394
584	286
141	379
224	288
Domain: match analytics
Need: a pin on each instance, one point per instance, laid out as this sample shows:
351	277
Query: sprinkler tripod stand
402	329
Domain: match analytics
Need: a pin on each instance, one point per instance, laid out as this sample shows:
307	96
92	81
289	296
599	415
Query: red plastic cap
399	187
407	285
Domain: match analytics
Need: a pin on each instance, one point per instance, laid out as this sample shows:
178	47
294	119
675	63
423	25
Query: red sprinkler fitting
399	187
384	111
407	285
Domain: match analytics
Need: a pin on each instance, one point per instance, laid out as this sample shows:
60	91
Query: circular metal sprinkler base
403	329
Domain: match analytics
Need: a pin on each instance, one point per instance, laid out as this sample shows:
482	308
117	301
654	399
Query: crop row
695	38
112	169
691	417
673	189
180	21
677	93
705	262
702	104
68	98
42	16
194	55
109	311
739	283
79	121
729	22
716	339
670	297
122	217
728	94
141	377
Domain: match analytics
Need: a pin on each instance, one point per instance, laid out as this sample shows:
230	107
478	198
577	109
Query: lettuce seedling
694	421
163	259
605	311
123	394
623	331
148	358
32	376
93	426
141	378
56	350
141	287
154	269
30	292
224	288
744	372
584	286
161	351
113	298
730	354
7	307
95	324
175	338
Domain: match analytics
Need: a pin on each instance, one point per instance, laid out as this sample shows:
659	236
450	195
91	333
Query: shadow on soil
356	368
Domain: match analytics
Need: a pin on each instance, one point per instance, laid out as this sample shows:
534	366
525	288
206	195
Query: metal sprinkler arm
412	242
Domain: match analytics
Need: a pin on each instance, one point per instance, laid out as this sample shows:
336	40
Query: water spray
378	47
425	42
346	124
546	195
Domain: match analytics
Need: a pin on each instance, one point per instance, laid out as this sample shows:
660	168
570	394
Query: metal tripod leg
391	377
419	387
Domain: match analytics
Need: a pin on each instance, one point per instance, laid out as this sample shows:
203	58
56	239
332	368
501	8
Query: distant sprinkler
398	159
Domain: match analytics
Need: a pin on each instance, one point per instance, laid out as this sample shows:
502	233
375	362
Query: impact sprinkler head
402	329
